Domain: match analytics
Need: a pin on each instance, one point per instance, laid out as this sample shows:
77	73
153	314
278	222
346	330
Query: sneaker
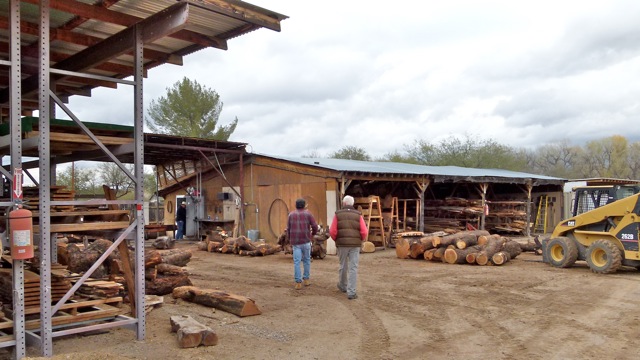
306	282
298	286
342	289
353	297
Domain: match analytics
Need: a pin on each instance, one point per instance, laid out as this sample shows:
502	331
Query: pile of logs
318	243
164	270
466	247
243	246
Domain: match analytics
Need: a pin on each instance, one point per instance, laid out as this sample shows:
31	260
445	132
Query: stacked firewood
218	242
466	247
164	270
318	243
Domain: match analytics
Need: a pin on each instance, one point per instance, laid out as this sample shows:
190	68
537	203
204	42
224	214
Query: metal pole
46	344
16	163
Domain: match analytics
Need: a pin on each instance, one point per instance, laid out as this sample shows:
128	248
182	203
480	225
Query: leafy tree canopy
351	153
189	109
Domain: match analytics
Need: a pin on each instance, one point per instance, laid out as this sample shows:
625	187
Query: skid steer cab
605	237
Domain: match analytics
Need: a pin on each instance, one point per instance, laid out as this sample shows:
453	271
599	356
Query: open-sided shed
267	187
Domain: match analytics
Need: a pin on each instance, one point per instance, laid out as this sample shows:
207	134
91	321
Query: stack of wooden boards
466	247
73	219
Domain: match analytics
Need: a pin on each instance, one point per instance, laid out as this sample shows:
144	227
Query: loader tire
562	252
604	257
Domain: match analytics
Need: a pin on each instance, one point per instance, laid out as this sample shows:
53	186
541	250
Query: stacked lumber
451	213
465	247
507	217
31	195
59	287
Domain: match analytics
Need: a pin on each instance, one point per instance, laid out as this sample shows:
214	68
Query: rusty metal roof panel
78	26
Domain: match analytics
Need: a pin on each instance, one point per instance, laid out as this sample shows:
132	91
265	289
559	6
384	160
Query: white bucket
253	235
331	247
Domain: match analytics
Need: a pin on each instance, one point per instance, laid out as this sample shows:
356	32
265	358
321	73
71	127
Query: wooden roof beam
88	40
100	13
152	28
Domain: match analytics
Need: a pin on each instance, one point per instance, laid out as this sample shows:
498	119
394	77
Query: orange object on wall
21	228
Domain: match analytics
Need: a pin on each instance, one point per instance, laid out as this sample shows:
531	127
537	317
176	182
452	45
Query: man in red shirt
301	226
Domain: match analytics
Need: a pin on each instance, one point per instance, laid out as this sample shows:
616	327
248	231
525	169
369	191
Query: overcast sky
380	74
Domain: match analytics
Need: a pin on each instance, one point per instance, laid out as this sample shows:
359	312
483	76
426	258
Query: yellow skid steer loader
606	237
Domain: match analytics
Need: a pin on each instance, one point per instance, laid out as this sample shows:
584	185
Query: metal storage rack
90	68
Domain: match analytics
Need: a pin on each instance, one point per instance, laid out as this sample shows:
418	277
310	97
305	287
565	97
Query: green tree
560	159
116	179
189	109
351	153
468	152
606	157
82	181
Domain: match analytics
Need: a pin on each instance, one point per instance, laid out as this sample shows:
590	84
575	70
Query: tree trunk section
192	333
493	245
402	248
501	258
164	285
231	303
466	240
176	257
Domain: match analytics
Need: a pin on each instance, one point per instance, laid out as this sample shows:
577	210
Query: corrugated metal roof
439	173
80	25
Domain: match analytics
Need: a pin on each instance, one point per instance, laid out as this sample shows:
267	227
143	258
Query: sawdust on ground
407	309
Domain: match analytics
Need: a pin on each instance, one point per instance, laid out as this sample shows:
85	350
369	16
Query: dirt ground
406	309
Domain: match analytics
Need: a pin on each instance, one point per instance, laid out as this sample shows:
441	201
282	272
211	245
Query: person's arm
333	229
364	232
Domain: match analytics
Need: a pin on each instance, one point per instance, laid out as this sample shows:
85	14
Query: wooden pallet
74	311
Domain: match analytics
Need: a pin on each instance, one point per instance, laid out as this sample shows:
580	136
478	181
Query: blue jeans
348	273
180	231
301	252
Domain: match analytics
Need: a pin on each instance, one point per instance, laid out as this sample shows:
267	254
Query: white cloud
379	75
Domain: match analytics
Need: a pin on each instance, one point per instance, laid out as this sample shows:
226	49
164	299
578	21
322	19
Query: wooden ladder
394	221
540	225
371	210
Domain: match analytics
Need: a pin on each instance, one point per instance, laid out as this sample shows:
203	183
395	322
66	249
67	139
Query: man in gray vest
349	230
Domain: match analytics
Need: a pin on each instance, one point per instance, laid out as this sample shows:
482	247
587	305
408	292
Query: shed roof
354	168
96	37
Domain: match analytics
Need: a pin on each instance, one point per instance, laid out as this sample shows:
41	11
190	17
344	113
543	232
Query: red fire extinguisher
21	227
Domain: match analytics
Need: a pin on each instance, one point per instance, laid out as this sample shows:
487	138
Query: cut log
458	256
500	258
152	258
203	245
168	269
243	243
471	257
214	246
164	285
176	257
164	242
192	333
438	254
269	249
512	248
493	245
368	247
484	239
529	246
428	255
416	250
402	248
466	240
231	303
150	274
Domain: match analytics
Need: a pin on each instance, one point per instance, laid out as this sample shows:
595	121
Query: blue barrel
253	235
